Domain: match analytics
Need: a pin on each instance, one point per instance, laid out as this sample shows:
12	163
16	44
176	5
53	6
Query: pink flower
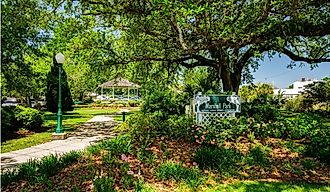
124	157
204	132
197	129
162	138
194	164
197	141
177	161
296	164
196	136
130	172
203	137
212	142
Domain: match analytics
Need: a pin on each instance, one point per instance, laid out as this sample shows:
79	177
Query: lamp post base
59	136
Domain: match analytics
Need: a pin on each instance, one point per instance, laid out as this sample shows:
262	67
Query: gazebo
122	84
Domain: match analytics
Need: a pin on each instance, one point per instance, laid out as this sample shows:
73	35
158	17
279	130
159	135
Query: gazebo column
128	92
113	93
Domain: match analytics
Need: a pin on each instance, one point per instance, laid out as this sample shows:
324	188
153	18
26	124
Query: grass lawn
70	121
250	186
257	186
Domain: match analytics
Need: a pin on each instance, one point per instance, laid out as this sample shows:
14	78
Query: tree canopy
228	36
143	40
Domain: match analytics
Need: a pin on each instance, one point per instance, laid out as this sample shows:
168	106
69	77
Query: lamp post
59	134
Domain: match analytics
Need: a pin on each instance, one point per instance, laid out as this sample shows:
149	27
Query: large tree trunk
230	80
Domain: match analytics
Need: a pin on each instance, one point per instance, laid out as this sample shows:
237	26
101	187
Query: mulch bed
82	174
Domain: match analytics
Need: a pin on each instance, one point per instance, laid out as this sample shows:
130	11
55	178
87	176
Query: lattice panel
205	118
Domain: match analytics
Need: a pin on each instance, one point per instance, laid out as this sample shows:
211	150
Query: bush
320	145
165	101
144	127
221	159
263	112
28	118
177	172
8	122
258	155
104	184
221	130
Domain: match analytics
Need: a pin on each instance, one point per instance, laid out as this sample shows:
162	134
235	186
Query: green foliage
318	93
28	118
176	172
49	165
221	130
258	155
8	177
52	90
28	170
20	37
34	170
133	103
320	145
252	92
297	104
201	79
165	101
120	145
262	108
104	184
13	118
8	122
222	159
144	127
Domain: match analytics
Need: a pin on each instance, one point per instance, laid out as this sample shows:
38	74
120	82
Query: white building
298	87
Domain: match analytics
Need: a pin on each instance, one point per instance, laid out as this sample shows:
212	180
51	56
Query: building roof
119	82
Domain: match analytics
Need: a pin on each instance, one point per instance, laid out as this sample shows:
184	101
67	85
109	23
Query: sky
275	71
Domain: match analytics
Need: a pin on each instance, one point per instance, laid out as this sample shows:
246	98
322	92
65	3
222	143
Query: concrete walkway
94	130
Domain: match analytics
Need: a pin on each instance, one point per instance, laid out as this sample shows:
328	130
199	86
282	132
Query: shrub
258	155
119	145
165	101
104	184
144	127
69	158
221	159
8	122
49	165
28	170
28	118
8	177
175	171
263	112
320	145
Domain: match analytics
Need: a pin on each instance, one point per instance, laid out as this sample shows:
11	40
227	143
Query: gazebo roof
119	82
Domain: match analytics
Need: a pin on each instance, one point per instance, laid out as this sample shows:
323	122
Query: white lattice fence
205	118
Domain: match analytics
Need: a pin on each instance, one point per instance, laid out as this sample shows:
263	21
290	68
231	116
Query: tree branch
177	28
295	57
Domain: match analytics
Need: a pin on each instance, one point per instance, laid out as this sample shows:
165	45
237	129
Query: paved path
94	130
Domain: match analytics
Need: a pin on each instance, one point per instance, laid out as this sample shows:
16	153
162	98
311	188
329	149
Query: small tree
52	90
318	93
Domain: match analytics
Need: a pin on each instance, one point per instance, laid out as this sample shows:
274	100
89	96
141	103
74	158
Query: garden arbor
120	83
